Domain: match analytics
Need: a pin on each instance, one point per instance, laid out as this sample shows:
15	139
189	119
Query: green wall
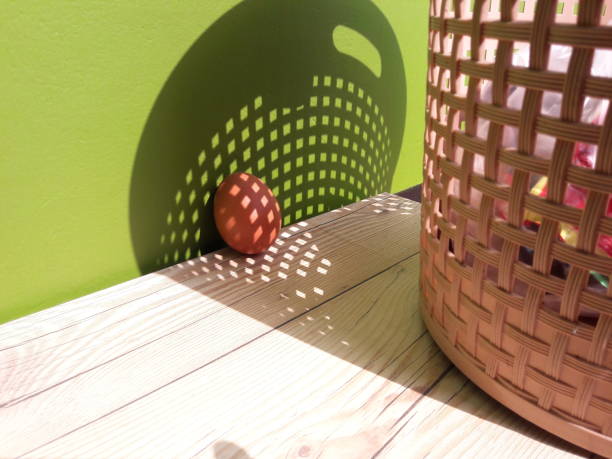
79	82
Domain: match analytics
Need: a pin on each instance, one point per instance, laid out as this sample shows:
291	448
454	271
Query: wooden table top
314	349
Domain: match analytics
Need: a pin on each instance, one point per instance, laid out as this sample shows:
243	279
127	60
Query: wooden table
314	349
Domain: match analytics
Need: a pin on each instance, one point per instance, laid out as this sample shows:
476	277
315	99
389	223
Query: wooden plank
35	366
172	300
336	379
315	349
298	393
117	354
404	223
74	312
458	419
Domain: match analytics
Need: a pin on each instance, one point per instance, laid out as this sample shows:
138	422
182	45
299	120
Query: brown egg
246	213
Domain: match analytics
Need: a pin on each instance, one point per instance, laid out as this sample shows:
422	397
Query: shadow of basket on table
369	327
279	89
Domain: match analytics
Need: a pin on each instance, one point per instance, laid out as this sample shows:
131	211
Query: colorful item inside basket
574	197
585	155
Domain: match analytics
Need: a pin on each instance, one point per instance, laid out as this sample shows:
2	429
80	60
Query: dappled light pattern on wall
310	172
316	125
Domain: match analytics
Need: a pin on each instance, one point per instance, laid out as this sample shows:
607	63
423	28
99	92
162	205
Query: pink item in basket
585	155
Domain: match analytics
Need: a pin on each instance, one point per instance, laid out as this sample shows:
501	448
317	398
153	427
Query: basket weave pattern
554	367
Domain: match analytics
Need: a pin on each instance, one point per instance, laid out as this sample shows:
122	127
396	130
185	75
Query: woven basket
511	303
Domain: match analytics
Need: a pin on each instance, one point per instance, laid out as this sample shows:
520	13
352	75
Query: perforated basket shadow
265	90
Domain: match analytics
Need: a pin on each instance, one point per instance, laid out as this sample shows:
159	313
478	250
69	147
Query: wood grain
369	367
458	419
315	348
199	277
73	312
107	349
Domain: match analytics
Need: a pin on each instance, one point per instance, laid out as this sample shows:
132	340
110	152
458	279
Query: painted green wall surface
111	110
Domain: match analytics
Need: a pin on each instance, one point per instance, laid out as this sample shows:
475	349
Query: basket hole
575	196
430	101
544	146
567	12
585	155
505	174
493	8
516	95
551	104
452	216
560	8
552	302
449	38
466	9
496	242
559	269
485	94
434	74
588	316
524	10
531	220
602	63
478	164
475	197
441	114
458	155
538	185
501	209
520	54
453	187
598	283
429	169
438	206
526	255
464	45
468	259
463	82
440	149
482	128
492	274
558	58
519	287
445	80
435	40
488	50
595	109
428	225
604	243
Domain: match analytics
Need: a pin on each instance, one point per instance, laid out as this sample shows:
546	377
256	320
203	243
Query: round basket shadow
265	90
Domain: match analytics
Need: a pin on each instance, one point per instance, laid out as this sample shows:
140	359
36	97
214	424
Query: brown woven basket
514	272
